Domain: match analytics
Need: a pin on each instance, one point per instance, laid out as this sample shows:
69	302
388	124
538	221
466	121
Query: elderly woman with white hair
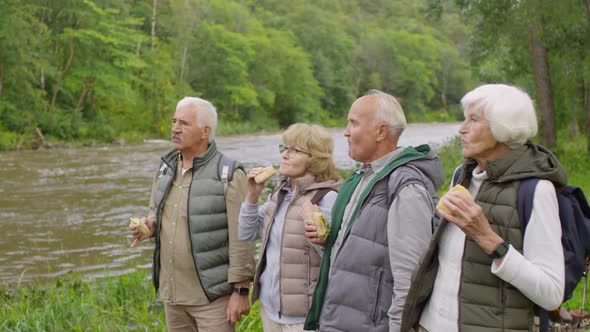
480	272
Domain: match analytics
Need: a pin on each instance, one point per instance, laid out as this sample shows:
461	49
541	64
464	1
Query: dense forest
106	70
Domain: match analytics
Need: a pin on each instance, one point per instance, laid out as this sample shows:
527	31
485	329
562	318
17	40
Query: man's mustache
178	137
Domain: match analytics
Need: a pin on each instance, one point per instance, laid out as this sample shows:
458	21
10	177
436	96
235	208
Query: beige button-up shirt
179	281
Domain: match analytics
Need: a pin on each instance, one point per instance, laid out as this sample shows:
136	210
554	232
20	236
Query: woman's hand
254	189
469	217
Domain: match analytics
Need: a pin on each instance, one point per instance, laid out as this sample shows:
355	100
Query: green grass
128	302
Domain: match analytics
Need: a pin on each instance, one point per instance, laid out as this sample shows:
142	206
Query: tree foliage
108	69
516	41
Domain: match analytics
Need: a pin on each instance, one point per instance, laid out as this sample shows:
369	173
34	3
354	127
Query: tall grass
128	302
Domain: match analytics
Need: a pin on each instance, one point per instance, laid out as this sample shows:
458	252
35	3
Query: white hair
509	110
389	111
206	113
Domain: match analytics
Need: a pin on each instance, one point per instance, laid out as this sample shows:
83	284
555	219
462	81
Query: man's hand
139	237
311	234
237	306
469	217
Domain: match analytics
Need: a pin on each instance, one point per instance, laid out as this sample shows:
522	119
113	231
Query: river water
68	209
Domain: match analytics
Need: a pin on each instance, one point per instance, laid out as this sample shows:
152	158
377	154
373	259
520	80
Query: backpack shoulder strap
524	201
457	175
225	170
524	204
319	195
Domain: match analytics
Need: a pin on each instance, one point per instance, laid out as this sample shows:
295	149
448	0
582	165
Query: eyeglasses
291	150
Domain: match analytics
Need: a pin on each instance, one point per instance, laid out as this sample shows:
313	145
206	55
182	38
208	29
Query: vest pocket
377	293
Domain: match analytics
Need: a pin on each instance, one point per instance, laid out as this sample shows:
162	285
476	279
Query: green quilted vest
207	220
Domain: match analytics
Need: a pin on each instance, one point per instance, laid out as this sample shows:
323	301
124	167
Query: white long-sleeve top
538	273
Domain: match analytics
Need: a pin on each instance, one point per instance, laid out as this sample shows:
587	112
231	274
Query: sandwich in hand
141	227
458	188
313	213
321	224
264	174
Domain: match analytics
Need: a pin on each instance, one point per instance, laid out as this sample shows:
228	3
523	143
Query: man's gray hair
389	111
509	110
205	112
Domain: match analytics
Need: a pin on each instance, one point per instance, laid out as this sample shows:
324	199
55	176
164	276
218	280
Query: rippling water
68	209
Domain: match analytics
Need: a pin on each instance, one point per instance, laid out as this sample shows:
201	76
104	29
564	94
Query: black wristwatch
500	250
244	291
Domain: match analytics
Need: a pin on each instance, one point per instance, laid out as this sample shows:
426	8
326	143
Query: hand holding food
141	227
264	174
458	188
313	213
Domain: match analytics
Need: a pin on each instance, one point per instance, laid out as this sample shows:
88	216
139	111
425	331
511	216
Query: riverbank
37	139
128	302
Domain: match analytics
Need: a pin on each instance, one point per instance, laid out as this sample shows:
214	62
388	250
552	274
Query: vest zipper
374	315
294	196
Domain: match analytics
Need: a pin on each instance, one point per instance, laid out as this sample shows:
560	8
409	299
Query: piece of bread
141	227
321	224
458	188
264	174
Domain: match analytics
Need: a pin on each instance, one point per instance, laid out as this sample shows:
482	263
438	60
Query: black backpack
574	215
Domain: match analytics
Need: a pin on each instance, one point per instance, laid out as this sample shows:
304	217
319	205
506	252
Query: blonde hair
316	141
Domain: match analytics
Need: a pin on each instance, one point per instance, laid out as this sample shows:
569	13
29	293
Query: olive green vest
207	220
486	302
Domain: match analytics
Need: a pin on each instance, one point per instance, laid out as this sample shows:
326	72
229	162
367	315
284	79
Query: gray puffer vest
360	287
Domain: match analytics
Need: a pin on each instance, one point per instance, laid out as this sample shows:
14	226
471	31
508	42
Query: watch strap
244	291
500	250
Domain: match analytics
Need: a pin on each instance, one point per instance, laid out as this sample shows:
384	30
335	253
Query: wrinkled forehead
474	110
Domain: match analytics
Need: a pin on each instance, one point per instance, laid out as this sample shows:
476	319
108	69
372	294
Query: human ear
382	130
206	132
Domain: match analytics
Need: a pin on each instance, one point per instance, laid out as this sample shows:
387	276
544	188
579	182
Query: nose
347	131
463	127
175	127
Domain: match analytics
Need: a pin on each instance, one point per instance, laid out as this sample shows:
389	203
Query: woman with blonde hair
289	264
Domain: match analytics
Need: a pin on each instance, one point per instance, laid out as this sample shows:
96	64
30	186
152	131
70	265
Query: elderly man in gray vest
200	268
381	223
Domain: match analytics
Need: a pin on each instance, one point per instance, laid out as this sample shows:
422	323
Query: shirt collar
378	165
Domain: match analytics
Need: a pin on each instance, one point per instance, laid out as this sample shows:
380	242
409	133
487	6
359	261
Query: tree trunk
42	79
1	76
61	75
586	126
87	86
538	54
586	123
445	82
138	49
182	64
155	5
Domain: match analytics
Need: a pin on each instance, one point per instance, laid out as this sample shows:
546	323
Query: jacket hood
429	164
529	161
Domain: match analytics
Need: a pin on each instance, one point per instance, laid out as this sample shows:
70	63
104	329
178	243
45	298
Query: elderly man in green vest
381	223
481	273
200	268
